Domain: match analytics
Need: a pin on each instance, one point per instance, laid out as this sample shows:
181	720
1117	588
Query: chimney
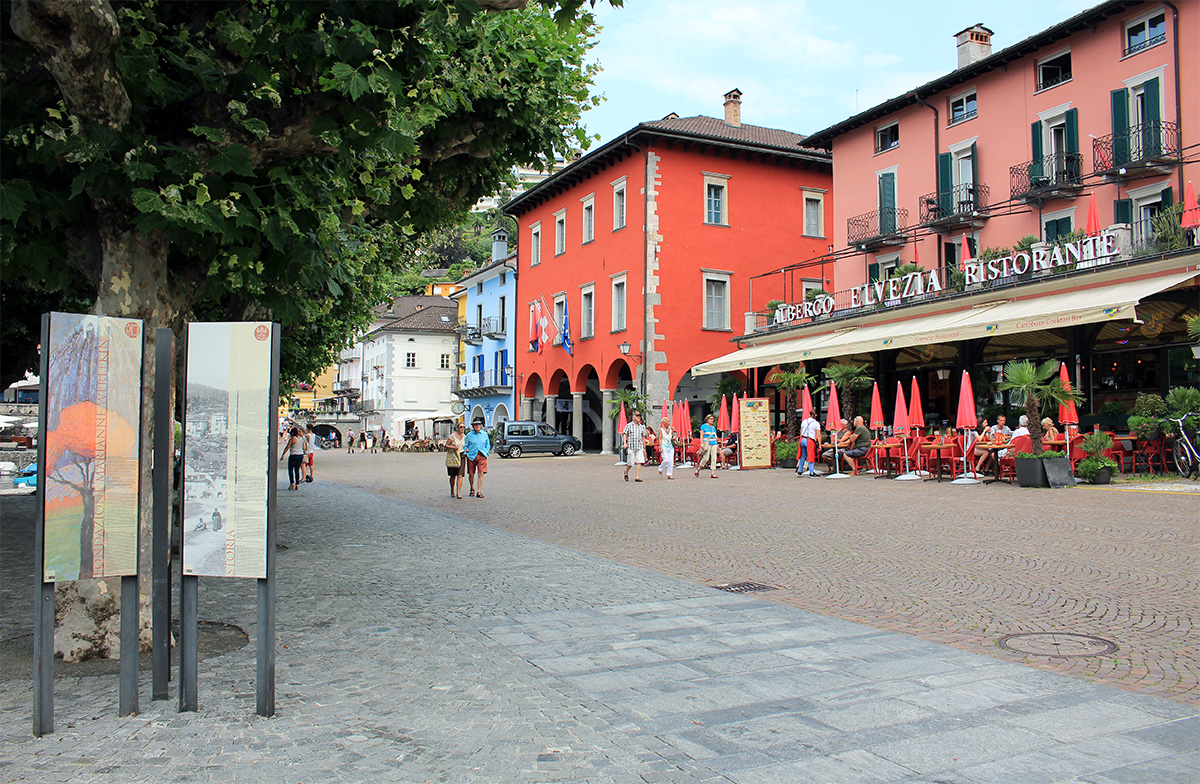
733	108
974	43
499	245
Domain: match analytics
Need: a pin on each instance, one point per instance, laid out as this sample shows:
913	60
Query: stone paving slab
415	646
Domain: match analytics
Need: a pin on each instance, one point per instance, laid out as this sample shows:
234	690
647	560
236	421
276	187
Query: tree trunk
1032	410
134	283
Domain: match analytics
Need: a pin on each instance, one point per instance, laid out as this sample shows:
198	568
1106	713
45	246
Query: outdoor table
1047	442
995	449
885	447
939	448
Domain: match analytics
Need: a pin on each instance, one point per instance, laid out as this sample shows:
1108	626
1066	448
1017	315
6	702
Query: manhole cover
378	629
1056	644
744	587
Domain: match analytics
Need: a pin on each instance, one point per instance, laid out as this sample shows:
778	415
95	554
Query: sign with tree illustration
755	419
93	405
227	461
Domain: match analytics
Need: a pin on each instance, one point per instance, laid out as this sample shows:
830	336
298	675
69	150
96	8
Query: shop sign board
755	421
92	438
227	462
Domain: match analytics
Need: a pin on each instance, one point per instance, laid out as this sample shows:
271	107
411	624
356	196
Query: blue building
487	306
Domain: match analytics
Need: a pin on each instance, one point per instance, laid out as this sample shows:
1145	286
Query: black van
514	439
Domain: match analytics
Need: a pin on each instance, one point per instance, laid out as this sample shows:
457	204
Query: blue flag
566	330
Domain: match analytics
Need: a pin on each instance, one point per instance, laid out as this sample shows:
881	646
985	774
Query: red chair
1074	453
1148	453
1008	463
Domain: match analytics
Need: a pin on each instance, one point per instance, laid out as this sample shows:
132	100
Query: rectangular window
478	317
445	362
619	204
1054	70
887	137
560	304
587	313
560	232
479	287
503	316
535	245
1145	32
503	278
716	300
962	108
589	218
410	359
814	224
618	304
1056	229
716	199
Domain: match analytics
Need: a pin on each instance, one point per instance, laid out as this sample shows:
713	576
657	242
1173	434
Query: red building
645	244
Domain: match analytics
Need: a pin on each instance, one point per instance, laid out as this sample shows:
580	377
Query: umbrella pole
908	475
964	479
837	465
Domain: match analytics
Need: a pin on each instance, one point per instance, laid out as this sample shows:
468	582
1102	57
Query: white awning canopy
1064	309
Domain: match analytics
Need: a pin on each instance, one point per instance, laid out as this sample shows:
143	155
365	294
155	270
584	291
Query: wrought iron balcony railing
875	226
1054	172
493	327
1155	41
960	201
1143	143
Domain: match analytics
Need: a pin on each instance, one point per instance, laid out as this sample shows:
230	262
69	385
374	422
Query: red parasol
876	409
1067	414
916	410
735	423
622	421
833	417
900	417
666	410
687	420
805	402
723	415
964	254
1190	218
916	255
966	404
1093	220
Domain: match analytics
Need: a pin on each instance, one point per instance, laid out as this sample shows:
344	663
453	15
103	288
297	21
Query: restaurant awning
1063	309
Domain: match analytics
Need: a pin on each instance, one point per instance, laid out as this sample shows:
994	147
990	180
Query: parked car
26	477
514	439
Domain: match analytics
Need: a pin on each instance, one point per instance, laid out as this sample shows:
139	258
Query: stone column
577	415
551	402
606	425
525	409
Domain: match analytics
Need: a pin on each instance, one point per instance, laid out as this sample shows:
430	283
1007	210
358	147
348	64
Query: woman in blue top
708	441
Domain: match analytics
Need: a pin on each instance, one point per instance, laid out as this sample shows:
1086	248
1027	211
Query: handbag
453	458
676	442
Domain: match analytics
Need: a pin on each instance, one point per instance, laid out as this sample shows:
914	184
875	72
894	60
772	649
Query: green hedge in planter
786	450
1090	466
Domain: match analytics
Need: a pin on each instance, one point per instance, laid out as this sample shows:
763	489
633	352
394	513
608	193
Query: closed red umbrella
666	410
964	254
723	415
805	402
1093	220
900	417
735	423
965	420
1190	218
916	410
687	420
1067	414
876	409
622	421
833	417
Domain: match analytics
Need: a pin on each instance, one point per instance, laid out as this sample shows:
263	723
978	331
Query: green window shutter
1074	161
1120	128
872	273
1123	211
887	203
945	176
1151	120
1168	199
1035	167
971	193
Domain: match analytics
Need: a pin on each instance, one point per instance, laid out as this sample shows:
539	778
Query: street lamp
624	347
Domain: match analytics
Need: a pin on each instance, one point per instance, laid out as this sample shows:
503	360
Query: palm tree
849	379
632	400
1035	385
727	386
791	380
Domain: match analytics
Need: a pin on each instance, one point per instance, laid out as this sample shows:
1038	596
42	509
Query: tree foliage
1035	385
263	160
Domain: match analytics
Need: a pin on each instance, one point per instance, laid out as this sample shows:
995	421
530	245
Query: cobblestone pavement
961	565
418	646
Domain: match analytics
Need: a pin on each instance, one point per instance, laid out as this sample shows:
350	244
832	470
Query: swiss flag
548	330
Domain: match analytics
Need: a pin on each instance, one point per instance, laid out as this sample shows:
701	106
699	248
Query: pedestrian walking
666	445
633	440
350	441
810	443
310	439
293	450
477	445
708	447
455	465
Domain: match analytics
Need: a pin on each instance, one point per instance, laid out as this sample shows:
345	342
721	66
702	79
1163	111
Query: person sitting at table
843	439
982	439
1049	431
860	444
1001	434
650	443
1022	428
729	451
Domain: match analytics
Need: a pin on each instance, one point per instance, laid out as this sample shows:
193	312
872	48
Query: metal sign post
265	680
160	541
43	599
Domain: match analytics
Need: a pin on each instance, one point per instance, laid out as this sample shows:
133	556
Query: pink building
1009	153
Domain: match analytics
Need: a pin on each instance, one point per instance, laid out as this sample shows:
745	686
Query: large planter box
1058	472
1102	477
1030	472
787	463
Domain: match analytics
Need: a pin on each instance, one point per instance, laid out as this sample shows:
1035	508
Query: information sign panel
755	419
227	460
91	433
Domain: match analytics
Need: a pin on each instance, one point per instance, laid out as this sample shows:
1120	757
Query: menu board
93	414
227	465
755	418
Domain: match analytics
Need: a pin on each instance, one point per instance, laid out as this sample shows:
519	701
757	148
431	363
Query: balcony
494	328
470	333
481	383
874	229
963	206
345	388
1056	176
1145	148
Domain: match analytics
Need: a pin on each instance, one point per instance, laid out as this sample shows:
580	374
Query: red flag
916	411
549	329
900	417
833	417
534	341
735	423
1093	220
1067	414
966	404
876	409
1190	218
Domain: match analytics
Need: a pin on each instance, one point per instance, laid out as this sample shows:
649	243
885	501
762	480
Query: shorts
636	456
857	451
455	470
477	463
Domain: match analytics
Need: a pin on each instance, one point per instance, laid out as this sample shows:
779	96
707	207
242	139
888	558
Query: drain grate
744	587
1056	644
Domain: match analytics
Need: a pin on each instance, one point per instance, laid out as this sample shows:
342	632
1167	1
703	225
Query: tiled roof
407	304
438	318
717	129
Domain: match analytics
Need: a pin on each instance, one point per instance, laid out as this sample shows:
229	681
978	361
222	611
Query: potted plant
785	453
1145	420
1096	467
1030	470
1035	385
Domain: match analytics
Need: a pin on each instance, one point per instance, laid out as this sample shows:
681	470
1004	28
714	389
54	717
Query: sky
802	65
